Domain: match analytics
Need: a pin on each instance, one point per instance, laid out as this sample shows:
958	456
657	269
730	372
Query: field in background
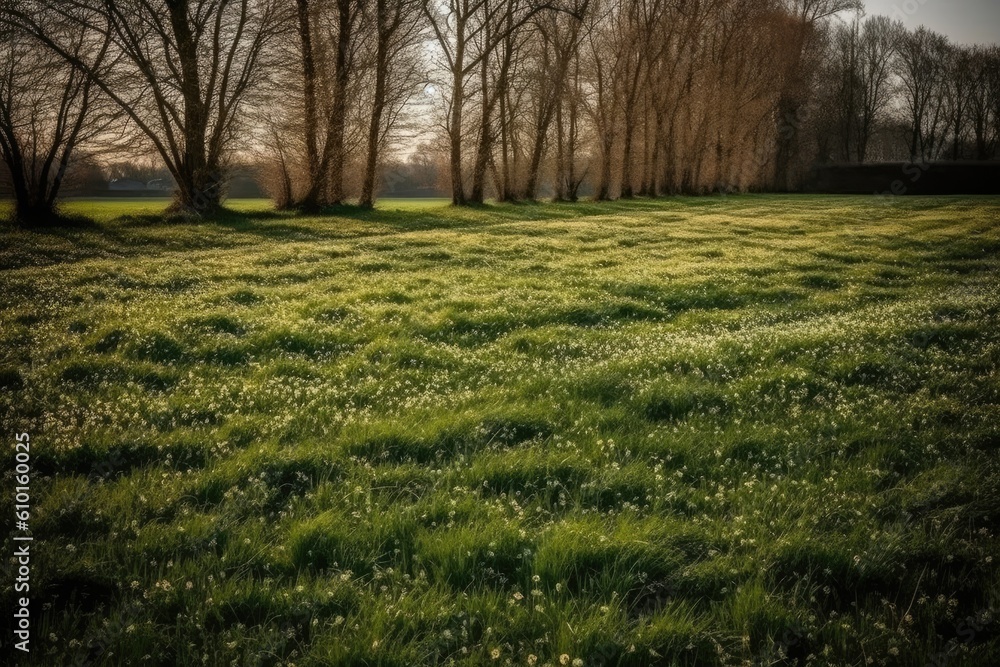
700	431
108	209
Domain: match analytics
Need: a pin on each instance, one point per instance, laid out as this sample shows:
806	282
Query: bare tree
509	78
606	56
920	67
48	110
676	95
568	177
880	38
181	70
671	79
802	43
330	38
640	97
497	39
451	26
846	93
984	65
993	76
305	18
337	98
469	34
642	23
345	45
957	82
557	36
863	54
398	27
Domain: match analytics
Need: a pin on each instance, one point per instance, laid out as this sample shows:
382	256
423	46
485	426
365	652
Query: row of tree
522	97
929	99
179	75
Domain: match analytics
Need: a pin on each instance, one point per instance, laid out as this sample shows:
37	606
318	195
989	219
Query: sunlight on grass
685	432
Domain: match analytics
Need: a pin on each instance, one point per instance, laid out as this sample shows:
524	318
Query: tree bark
485	143
310	200
385	29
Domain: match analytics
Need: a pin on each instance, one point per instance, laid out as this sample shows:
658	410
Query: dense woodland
512	99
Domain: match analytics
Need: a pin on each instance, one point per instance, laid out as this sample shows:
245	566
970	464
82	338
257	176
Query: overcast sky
964	21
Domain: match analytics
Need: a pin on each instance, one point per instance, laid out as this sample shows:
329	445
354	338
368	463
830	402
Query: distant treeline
514	99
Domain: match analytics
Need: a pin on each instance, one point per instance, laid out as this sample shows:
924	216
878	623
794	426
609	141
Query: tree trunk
455	129
199	180
505	186
628	166
787	143
573	184
338	112
538	146
199	189
654	158
31	208
478	190
374	140
646	185
310	120
484	150
378	106
604	184
627	189
560	178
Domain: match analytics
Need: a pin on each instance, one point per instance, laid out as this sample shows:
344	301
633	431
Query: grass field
750	430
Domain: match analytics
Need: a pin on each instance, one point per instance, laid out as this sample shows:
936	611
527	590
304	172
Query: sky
964	21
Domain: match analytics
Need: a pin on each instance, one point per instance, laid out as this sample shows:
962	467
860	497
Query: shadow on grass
55	222
78	237
148	234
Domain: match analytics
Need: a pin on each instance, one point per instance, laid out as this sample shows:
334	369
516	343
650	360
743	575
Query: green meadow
740	431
